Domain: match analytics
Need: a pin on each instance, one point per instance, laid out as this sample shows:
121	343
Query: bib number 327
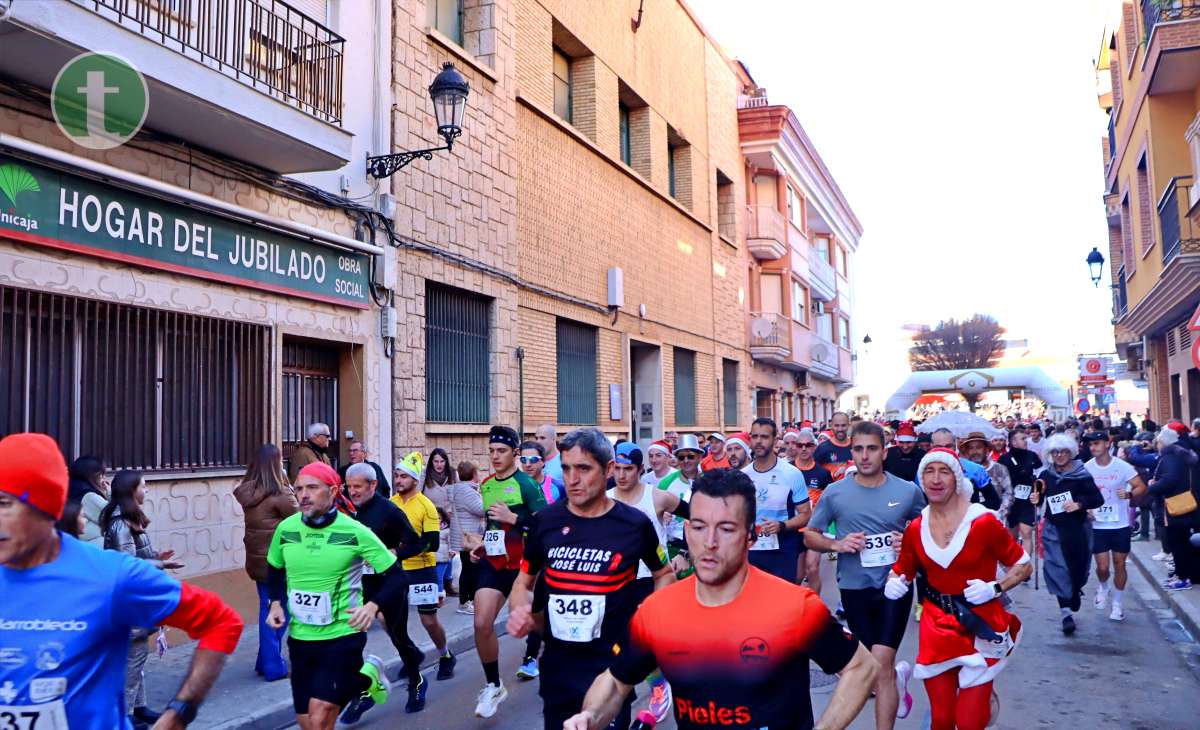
878	551
46	716
493	543
576	618
311	608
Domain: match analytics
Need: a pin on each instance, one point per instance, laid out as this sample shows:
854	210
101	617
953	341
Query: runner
978	448
68	609
659	454
1022	463
835	454
816	479
391	526
1117	481
1069	491
588	551
1035	443
420	571
871	510
531	463
737	450
734	642
904	458
782	505
315	562
716	458
967	636
510	498
655	504
679	483
790	449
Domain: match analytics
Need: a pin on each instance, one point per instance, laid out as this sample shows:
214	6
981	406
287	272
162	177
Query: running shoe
1101	599
1160	556
1117	614
376	694
490	698
1068	625
468	608
1179	584
903	674
528	669
446	664
840	612
660	699
416	695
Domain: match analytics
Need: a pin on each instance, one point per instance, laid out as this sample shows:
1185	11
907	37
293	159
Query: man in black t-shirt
583	555
904	458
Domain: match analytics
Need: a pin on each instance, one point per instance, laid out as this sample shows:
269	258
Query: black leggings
395	616
1077	553
1187	557
468	579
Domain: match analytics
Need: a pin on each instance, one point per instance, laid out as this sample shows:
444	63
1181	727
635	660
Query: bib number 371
46	716
576	618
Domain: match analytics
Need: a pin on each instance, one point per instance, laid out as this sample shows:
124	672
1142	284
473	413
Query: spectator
439	471
266	499
72	521
359	455
466	518
1176	476
546	436
89	487
312	450
436	486
124	524
533	463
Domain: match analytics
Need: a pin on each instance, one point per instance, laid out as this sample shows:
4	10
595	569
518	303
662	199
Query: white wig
950	459
1167	436
1060	442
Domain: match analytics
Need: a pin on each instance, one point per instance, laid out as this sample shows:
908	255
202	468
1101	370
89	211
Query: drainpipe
521	391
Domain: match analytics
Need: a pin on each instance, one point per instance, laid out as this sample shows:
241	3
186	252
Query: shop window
576	346
457	346
685	387
729	385
140	388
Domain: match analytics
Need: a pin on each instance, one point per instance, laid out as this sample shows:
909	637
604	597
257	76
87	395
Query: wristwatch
998	589
185	709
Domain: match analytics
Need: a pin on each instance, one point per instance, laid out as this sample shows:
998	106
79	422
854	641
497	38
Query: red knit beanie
32	469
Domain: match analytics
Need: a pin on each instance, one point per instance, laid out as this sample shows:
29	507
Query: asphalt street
1143	674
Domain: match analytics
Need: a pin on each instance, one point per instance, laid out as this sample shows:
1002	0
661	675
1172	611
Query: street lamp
449	92
867	340
1095	262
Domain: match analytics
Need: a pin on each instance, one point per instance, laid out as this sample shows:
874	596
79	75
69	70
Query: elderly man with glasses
687	454
315	449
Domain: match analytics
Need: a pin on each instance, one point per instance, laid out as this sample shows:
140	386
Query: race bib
46	716
1058	502
493	543
997	649
766	542
575	618
423	594
1022	491
1107	513
310	607
878	552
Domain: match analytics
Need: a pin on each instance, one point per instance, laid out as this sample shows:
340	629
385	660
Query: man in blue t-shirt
68	608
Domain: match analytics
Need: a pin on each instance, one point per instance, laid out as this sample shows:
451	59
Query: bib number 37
46	716
576	618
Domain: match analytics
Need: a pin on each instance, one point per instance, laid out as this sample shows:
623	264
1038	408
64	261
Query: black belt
956	606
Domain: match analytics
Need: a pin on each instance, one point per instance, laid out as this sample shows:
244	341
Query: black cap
504	435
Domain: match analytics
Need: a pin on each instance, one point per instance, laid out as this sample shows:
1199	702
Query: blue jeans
270	661
443	570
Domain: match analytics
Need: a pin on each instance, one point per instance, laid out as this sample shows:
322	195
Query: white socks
1065	612
1104	586
1116	596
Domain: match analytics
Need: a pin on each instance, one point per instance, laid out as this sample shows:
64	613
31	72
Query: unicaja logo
99	100
15	180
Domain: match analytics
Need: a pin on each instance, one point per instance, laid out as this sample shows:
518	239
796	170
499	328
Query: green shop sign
45	207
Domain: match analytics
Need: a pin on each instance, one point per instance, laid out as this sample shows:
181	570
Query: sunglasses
689	456
530	459
804	444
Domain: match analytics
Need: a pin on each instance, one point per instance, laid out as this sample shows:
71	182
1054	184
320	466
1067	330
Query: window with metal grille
140	388
729	376
457	344
576	372
685	387
310	393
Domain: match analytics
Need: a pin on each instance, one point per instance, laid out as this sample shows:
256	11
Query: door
310	393
645	388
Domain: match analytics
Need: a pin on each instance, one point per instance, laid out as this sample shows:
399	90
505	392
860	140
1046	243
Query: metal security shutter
729	374
576	372
456	355
685	387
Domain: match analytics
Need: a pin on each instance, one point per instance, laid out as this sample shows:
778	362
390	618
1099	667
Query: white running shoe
1161	556
903	674
490	698
1101	599
1117	614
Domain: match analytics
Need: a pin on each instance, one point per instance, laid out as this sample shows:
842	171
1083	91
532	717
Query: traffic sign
1083	406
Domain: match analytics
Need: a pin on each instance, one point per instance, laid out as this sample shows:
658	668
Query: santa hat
906	432
412	465
33	470
741	438
950	459
1178	428
659	445
791	433
806	424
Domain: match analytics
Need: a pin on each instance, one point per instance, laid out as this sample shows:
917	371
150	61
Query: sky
966	138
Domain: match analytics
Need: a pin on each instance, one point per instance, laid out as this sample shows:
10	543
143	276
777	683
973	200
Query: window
799	303
844	332
457	344
795	205
1127	257
764	403
143	388
843	262
685	387
576	372
447	18
562	85
1146	226
672	185
726	215
729	390
679	168
823	249
626	138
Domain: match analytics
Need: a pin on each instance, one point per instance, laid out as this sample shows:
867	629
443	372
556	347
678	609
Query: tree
971	344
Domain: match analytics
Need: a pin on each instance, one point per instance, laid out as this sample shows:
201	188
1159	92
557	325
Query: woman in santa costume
966	635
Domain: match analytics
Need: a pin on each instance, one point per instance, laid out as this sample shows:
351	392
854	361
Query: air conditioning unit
818	306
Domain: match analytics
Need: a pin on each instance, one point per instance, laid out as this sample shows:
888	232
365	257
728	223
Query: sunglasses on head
530	459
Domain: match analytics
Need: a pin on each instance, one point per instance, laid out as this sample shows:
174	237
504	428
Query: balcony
845	374
770	339
824	358
1167	11
767	236
1172	59
821	278
256	80
1177	231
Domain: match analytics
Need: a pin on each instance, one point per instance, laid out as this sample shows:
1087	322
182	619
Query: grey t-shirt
870	510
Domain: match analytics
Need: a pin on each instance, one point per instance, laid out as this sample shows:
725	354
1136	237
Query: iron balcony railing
1166	11
265	44
769	329
1175	226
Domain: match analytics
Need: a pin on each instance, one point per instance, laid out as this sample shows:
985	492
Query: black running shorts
873	619
1112	540
497	580
327	670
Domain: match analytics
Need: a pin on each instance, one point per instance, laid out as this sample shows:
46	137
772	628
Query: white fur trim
974	669
1024	559
963	486
943	556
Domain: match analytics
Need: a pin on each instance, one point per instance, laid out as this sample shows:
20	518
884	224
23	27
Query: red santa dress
979	543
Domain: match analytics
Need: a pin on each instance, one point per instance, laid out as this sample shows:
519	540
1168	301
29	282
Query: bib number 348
576	618
46	716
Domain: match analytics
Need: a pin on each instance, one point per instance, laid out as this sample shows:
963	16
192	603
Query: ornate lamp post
449	92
